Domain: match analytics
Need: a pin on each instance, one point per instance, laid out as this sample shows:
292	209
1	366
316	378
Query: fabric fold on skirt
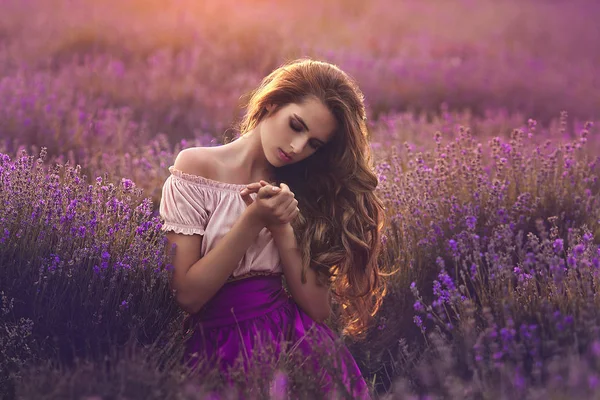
253	313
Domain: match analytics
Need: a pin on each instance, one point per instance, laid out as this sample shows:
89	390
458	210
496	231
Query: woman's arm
311	297
207	275
197	279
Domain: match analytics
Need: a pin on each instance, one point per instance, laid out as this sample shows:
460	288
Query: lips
286	156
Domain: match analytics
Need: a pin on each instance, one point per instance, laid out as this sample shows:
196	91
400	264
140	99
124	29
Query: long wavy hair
341	219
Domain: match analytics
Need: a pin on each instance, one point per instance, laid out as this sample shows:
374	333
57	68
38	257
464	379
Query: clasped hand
274	205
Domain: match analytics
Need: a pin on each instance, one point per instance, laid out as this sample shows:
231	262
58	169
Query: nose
298	144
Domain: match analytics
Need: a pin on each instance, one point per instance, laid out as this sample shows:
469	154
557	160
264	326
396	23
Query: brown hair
341	218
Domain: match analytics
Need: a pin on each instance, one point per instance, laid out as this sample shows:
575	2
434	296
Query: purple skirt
256	313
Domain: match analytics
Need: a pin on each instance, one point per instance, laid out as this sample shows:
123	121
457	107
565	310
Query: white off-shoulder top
195	205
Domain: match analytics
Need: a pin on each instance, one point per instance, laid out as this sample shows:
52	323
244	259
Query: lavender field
484	118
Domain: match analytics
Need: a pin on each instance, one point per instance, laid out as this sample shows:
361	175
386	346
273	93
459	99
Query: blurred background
130	78
181	65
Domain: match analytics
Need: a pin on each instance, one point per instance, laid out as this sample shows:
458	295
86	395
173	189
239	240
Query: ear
270	107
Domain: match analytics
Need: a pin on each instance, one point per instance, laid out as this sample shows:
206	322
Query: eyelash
296	129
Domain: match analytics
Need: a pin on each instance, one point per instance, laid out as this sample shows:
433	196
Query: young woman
317	224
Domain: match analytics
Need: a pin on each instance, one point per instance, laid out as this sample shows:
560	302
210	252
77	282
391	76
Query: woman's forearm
309	296
207	275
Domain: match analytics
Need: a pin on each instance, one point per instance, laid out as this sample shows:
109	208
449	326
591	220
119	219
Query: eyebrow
306	127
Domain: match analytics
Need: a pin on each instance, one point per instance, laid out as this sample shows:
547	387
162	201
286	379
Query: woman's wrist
278	226
253	218
279	229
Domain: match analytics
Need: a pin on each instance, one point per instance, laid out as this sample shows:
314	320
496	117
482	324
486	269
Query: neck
246	155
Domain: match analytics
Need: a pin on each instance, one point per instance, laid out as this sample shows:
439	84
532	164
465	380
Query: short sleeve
182	207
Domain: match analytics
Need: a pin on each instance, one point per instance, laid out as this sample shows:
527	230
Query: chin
275	162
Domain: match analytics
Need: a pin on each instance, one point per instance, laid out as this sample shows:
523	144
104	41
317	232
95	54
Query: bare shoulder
195	161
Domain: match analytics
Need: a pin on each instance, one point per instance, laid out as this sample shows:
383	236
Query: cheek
278	129
269	130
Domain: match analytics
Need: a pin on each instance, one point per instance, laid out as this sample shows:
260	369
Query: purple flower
418	306
556	314
446	280
517	270
507	334
473	270
6	235
471	222
127	184
558	245
453	246
54	262
419	322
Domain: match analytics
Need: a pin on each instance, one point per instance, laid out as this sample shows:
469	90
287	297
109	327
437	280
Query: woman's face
299	130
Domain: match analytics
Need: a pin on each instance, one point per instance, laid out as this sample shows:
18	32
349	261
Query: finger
268	191
292	214
251	188
283	199
291	208
287	214
247	199
286	188
272	183
260	184
254	186
290	203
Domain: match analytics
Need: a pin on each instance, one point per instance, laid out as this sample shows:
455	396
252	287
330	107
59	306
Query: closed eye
295	126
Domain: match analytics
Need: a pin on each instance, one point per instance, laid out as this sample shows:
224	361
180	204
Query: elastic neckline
206	181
